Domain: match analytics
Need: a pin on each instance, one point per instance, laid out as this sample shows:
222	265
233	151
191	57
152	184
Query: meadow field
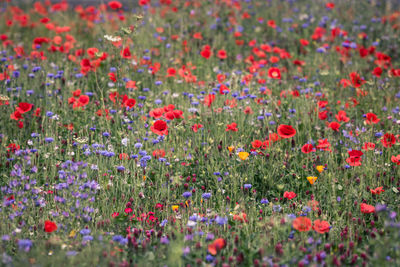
200	133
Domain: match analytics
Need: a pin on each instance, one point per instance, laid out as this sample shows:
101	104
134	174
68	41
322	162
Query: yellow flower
175	207
243	155
320	168
312	179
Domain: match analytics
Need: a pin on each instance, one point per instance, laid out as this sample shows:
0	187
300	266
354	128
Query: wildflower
377	191
388	140
274	73
321	226
307	148
396	159
311	179
264	201
302	224
247	186
187	194
289	195
371	118
320	168
216	246
243	155
231	127
50	226
286	131
24	244
365	208
160	127
206	195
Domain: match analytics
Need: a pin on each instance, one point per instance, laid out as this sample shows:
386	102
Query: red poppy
206	53
354	157
115	5
131	85
156	113
371	118
112	77
323	144
83	100
289	195
222	54
24	107
334	126
286	131
159	153
76	93
196	127
274	73
130	103
302	224
115	214
171	72
342	116
365	208
377	72
330	5
50	226
13	147
123	156
304	42
126	53
388	140
209	99
377	191
356	79
369	146
223	89
321	226
216	246
160	127
396	159
323	115
231	127
256	144
307	148
16	115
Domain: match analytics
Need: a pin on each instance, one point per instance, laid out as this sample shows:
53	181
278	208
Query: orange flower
365	208
302	224
321	226
377	191
216	246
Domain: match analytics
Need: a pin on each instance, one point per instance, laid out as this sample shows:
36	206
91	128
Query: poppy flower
256	144
371	118
323	115
396	159
243	155
76	93
302	224
16	115
354	157
131	85
312	179
377	191
365	208
289	195
321	226
274	73
50	226
216	246
115	5
159	153
356	80
286	131
196	127
222	54
24	107
130	103
231	127
156	113
377	72
126	53
160	127
369	146
334	126
388	140
323	144
83	100
342	116
209	99
307	148
112	77
206	53
171	72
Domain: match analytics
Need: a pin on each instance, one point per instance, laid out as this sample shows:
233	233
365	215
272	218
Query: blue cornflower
206	195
